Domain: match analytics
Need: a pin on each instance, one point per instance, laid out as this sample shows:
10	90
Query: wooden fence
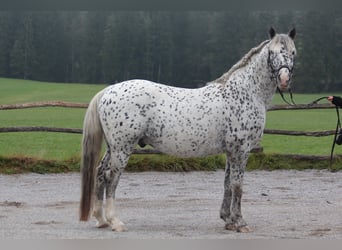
151	151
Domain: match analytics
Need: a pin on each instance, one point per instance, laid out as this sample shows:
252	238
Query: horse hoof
231	226
102	225
244	229
116	224
120	228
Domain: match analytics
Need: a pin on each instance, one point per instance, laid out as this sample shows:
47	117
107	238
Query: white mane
241	63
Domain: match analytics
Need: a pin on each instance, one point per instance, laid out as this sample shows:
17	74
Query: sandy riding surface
278	204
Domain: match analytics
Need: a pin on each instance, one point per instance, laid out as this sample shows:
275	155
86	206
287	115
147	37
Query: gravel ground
153	205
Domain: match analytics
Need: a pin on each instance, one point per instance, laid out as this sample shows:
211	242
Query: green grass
138	163
300	120
20	91
38	144
51	146
18	165
64	148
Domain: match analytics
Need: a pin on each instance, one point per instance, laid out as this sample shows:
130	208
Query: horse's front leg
231	205
225	207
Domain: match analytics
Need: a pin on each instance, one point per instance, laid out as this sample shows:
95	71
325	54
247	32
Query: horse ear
292	33
272	32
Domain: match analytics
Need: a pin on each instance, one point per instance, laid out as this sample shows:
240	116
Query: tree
92	46
6	41
49	46
316	71
187	48
22	54
197	49
76	38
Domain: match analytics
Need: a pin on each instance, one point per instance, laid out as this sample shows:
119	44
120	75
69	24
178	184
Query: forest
184	48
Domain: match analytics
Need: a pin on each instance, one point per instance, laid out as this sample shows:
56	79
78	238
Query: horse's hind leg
118	161
99	192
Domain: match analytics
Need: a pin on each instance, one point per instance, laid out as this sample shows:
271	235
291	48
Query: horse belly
177	143
193	150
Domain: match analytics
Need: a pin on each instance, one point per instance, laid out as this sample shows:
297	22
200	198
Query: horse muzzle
284	78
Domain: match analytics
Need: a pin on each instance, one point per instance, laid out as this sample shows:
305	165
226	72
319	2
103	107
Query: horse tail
91	149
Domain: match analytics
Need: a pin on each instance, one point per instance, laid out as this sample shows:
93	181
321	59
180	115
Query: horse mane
241	63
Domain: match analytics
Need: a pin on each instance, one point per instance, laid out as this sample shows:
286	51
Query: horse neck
255	78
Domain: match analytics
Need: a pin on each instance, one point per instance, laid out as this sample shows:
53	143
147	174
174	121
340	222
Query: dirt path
278	204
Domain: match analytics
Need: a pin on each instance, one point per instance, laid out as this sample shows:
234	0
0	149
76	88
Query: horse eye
293	53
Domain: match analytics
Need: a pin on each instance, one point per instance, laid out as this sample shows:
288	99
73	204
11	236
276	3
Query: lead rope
291	96
338	127
283	97
317	100
338	123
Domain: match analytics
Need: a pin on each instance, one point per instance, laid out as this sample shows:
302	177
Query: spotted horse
225	116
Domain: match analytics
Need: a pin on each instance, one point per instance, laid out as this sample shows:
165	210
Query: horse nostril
284	84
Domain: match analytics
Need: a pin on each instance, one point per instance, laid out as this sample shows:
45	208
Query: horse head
282	52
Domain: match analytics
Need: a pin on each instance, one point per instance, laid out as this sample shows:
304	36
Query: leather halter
274	76
275	72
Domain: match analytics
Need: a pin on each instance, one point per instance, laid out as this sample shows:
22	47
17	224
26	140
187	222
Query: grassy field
58	146
63	147
300	120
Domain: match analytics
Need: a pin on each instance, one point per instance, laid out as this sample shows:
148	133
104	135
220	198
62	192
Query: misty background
187	48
